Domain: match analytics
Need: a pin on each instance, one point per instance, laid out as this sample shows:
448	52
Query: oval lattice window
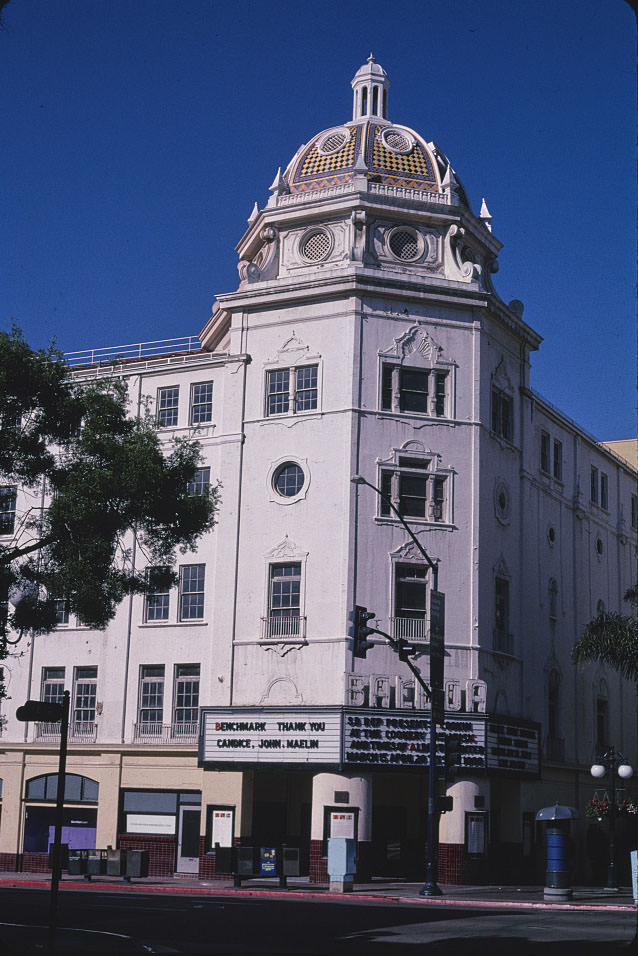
397	141
333	142
316	246
404	244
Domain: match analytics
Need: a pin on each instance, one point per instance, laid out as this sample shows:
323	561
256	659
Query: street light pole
610	762
430	887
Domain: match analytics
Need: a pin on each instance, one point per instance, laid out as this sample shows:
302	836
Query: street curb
293	894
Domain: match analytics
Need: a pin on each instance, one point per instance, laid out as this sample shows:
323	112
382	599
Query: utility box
267	861
136	864
115	862
342	863
290	865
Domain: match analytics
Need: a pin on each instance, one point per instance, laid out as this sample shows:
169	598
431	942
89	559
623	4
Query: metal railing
409	628
139	350
156	733
503	641
80	731
283	628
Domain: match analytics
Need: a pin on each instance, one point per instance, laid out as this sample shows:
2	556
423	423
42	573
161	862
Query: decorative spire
370	86
484	216
253	214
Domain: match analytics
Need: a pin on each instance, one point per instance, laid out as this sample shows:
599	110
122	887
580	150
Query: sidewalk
379	891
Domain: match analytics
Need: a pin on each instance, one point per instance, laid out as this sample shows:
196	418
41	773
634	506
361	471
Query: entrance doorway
188	840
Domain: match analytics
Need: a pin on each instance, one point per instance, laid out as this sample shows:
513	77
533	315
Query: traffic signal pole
56	855
435	691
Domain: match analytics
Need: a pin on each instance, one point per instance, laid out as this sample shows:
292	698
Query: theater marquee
375	738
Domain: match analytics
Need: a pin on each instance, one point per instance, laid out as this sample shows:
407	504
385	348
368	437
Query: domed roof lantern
370	84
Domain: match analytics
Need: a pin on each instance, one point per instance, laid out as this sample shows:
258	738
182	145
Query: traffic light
359	630
48	712
453	756
405	649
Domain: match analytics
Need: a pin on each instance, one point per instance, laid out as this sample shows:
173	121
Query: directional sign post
52	712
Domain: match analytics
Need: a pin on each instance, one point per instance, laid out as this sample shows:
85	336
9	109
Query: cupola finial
370	86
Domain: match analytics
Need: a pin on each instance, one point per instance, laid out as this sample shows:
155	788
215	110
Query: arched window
375	100
553	599
364	100
77	789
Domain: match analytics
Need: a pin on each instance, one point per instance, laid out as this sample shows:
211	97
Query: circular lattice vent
333	142
404	244
396	140
316	246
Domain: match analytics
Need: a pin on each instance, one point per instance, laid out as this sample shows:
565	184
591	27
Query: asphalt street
118	922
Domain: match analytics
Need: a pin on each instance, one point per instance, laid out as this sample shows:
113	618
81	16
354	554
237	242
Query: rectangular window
593	485
52	689
158	595
151	707
413	490
200	483
407	390
634	511
8	496
186	694
167	406
61	611
502	414
558	459
201	403
291	390
191	592
410	596
284	601
604	491
84	695
545	452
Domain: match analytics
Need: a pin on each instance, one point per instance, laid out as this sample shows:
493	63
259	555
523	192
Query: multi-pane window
558	459
413	490
191	592
8	496
200	483
502	414
604	491
157	595
593	485
284	606
61	611
201	403
84	695
410	591
408	390
52	689
167	406
151	706
186	694
291	390
545	452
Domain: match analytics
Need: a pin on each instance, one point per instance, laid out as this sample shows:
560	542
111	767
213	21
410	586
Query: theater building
365	337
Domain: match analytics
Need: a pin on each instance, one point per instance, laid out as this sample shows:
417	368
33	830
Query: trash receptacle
245	863
136	864
96	863
557	873
290	865
77	862
223	859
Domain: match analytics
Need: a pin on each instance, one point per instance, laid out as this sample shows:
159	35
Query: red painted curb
325	897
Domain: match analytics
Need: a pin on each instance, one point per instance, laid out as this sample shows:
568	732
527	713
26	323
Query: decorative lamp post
612	762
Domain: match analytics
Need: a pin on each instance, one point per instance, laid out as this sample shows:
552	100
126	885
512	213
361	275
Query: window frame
545	453
207	404
49	681
292	378
147	679
502	414
593	485
604	491
557	459
200	485
8	508
162	408
280	624
394	389
150	596
183	594
180	681
398	481
85	681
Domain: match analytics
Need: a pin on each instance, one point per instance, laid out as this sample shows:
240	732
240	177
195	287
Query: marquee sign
362	737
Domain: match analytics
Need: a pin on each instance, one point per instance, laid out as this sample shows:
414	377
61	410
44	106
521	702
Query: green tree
612	638
99	486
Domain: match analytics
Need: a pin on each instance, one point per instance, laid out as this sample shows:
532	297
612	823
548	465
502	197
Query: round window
288	480
404	245
316	246
333	141
397	140
502	501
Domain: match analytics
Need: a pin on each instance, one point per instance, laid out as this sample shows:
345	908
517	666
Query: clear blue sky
137	134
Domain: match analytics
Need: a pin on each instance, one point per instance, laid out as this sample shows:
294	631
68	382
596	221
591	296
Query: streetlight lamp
431	887
612	762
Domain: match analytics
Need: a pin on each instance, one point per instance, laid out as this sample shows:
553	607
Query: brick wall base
456	867
161	851
10	861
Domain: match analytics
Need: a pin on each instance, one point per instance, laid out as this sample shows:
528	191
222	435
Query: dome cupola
370	85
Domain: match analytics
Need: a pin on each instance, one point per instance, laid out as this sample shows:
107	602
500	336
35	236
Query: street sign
437	654
46	711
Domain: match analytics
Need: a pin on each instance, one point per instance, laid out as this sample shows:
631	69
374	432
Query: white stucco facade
365	337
